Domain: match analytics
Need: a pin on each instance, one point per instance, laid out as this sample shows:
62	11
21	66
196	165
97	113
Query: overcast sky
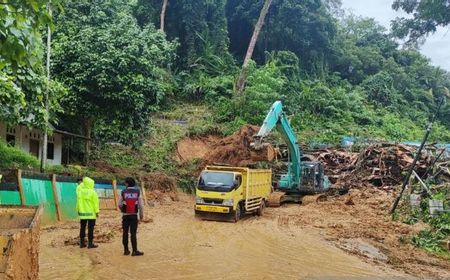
437	46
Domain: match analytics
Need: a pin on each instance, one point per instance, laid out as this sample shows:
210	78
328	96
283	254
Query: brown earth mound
358	223
160	187
236	150
195	148
101	166
158	181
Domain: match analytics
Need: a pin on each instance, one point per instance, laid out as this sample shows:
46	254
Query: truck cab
226	193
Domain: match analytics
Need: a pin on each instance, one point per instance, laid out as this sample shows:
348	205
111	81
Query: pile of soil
195	148
101	166
236	150
378	165
158	181
160	187
357	222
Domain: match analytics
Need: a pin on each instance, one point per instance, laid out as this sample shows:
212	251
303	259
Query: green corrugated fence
38	189
67	199
10	197
40	192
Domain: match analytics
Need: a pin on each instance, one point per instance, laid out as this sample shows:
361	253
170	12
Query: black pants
91	225
129	223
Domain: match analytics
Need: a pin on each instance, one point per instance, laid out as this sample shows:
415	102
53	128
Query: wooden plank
114	184
144	195
422	183
20	186
56	198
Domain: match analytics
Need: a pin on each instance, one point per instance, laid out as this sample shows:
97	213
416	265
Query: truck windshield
216	181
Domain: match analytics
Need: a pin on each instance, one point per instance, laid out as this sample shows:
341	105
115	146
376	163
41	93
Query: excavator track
276	198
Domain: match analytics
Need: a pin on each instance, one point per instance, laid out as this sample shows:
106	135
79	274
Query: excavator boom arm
277	119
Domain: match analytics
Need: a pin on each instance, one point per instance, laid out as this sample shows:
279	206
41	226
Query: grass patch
432	238
157	154
11	157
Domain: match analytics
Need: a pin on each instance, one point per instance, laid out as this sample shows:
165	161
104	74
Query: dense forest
113	63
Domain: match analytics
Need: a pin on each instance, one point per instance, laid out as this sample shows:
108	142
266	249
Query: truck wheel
261	209
237	213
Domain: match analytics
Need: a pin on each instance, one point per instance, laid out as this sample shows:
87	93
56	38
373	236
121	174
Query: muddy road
178	246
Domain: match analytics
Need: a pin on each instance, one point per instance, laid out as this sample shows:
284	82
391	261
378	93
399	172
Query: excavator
302	177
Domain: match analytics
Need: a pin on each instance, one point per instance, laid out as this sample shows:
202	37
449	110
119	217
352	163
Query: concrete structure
30	140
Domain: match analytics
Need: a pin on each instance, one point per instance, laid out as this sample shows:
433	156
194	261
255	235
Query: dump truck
227	193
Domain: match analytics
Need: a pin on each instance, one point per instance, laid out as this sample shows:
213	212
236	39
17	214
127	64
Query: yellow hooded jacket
87	200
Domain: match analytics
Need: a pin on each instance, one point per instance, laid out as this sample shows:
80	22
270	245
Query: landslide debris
232	150
379	165
159	187
357	222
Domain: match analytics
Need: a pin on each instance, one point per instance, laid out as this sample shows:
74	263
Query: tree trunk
87	143
251	47
163	14
46	113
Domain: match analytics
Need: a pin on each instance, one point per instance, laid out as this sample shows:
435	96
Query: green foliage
264	85
12	157
380	90
22	80
303	27
23	94
431	239
20	39
336	76
118	71
193	23
427	15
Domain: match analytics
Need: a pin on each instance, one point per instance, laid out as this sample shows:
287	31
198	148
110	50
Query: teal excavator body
305	177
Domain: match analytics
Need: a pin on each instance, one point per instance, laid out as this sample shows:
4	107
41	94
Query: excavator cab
312	178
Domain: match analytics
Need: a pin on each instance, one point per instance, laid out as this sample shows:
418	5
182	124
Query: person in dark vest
131	204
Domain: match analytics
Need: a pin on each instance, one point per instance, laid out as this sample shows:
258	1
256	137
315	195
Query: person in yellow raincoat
88	209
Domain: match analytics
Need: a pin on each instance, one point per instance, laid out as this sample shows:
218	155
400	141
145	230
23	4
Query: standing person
131	204
88	209
79	183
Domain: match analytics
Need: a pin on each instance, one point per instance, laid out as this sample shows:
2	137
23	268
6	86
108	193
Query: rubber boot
92	245
82	243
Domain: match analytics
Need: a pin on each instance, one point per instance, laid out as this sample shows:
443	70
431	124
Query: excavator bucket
262	152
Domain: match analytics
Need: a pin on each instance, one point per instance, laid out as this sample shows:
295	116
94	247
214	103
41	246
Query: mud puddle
177	246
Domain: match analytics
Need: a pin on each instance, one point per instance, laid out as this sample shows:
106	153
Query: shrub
11	157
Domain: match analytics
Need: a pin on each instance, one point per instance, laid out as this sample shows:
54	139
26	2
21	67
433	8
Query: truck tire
261	209
237	213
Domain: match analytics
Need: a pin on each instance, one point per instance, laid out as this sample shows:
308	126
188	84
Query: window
11	139
50	151
34	147
239	180
216	181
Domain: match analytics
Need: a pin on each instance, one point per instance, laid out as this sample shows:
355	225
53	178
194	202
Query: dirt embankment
358	223
233	150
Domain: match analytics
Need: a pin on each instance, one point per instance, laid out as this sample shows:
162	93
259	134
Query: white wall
24	134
